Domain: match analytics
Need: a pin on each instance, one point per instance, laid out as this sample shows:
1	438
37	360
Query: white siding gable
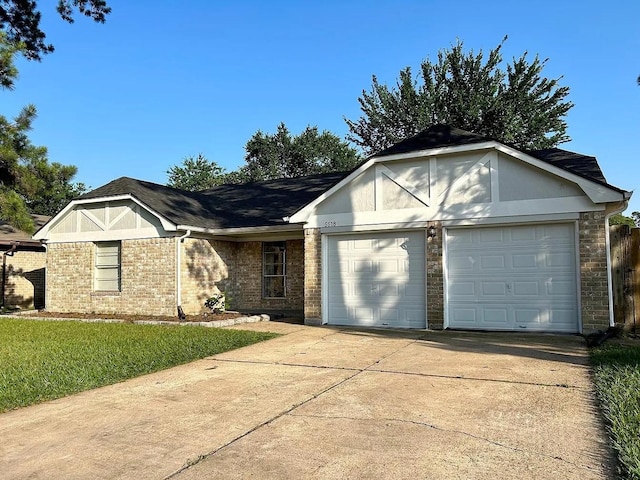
103	221
458	186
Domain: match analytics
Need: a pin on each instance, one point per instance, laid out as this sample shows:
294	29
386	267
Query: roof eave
241	230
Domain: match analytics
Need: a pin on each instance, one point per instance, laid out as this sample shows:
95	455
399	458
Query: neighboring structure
447	229
24	259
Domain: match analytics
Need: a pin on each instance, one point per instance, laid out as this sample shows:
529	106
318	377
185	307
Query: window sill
106	293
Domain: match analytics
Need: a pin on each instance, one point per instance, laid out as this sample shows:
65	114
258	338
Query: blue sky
162	80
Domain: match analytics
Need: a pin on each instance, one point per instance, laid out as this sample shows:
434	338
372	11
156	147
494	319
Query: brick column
312	277
435	279
593	272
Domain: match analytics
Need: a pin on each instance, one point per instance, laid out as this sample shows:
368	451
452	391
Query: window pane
274	287
273	269
107	268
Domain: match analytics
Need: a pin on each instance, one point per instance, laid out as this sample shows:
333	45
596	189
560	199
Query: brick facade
147	280
148	277
593	272
208	268
435	279
235	268
312	276
25	277
248	292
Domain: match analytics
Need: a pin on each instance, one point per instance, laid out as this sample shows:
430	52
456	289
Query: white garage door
376	280
512	278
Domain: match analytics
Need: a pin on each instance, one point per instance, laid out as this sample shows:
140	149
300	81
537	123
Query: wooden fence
625	274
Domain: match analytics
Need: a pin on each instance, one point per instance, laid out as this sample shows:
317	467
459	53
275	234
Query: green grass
617	377
42	360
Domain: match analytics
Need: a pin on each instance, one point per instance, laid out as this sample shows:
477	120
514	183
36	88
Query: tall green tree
28	183
47	187
515	105
20	19
283	155
196	173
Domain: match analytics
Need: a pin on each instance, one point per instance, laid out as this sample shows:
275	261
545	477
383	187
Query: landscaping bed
205	317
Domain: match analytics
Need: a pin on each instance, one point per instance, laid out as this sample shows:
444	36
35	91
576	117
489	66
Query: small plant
216	303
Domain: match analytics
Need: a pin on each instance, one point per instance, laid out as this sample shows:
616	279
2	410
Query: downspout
607	240
179	241
43	242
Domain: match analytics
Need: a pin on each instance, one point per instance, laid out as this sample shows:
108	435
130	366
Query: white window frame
266	276
107	266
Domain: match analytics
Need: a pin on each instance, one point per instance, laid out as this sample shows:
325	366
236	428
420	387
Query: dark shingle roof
10	234
266	203
226	206
437	136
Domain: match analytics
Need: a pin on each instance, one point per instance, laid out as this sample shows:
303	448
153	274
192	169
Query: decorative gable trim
596	192
43	233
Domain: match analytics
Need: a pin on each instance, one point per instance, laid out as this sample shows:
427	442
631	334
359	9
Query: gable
106	220
474	183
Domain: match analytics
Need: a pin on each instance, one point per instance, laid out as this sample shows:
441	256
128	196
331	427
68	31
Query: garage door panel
496	316
526	289
531	274
376	279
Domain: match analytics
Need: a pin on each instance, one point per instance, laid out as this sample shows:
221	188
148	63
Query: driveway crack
446	430
356	371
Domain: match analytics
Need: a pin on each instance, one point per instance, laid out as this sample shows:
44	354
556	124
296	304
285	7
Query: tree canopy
196	173
28	183
283	155
20	19
270	156
516	105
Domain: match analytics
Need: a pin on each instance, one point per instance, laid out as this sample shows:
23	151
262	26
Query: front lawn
617	377
42	360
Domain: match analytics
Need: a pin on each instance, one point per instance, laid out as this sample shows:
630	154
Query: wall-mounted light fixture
431	232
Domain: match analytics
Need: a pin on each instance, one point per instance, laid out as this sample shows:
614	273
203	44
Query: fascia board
241	230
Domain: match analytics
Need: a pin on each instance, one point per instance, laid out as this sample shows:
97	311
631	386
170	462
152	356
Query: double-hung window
107	267
274	272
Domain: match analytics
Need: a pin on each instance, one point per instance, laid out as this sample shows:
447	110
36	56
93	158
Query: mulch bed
205	317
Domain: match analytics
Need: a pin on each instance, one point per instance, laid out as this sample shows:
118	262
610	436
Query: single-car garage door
512	278
376	279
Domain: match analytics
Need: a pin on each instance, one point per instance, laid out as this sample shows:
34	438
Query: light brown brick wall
208	267
147	285
25	279
312	276
249	278
435	279
593	272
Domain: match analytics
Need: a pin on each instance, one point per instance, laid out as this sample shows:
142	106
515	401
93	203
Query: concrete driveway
330	403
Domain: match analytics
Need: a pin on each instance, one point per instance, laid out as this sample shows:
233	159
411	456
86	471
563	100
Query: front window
107	267
273	269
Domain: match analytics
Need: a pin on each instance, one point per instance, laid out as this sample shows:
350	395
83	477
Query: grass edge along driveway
616	372
42	360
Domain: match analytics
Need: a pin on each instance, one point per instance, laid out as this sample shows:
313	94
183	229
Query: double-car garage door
497	278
